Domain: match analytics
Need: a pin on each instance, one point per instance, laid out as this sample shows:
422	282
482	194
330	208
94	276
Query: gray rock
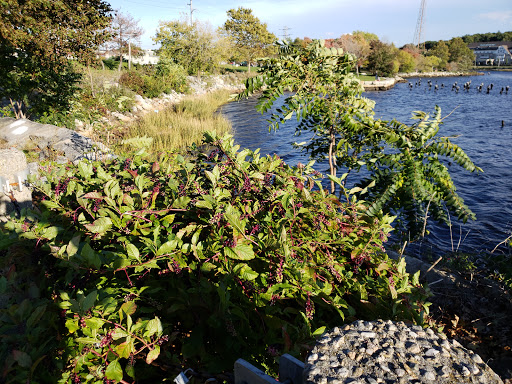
121	117
51	141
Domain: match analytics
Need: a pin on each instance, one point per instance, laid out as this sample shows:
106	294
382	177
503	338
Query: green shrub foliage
166	78
406	163
190	262
412	179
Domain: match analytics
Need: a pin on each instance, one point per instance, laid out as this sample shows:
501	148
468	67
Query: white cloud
501	17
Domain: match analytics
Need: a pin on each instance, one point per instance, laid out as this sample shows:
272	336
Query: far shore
439	74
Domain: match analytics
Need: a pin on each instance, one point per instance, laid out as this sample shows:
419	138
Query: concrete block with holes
13	172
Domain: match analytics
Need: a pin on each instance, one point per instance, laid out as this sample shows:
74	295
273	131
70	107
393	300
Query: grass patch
234	68
366	78
183	124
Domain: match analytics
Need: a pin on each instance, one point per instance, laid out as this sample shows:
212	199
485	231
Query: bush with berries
145	267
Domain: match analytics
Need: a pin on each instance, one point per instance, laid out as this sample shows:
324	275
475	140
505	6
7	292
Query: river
483	123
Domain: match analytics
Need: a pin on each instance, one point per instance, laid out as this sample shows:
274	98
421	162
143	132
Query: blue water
475	117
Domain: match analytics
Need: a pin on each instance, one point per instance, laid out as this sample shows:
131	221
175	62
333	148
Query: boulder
52	141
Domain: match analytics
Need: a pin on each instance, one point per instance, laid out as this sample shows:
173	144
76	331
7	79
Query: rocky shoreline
387	83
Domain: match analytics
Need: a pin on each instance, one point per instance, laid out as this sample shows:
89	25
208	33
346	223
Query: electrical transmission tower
419	26
285	35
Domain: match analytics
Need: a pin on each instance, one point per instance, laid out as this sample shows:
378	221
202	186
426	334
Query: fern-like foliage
411	178
315	84
325	97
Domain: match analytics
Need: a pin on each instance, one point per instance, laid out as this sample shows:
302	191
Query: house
492	53
149	57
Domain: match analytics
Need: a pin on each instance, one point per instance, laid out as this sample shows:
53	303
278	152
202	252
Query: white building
149	57
492	53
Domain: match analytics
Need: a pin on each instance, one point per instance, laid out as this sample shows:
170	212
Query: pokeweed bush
197	261
133	80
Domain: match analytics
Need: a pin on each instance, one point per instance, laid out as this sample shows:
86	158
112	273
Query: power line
152	5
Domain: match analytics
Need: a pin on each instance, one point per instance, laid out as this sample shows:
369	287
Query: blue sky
394	21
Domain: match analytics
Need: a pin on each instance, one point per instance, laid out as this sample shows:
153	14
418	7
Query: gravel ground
392	352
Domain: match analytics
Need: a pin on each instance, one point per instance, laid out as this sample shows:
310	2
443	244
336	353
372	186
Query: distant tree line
386	59
490	36
478	38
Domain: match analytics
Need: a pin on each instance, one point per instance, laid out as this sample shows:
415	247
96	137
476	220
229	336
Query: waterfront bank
387	83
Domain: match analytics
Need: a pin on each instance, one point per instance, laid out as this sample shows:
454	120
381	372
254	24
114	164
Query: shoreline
387	83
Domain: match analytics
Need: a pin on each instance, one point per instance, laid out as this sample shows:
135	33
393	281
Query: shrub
193	262
154	86
111	63
133	80
173	75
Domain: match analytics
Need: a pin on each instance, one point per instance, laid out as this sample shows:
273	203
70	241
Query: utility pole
419	26
191	11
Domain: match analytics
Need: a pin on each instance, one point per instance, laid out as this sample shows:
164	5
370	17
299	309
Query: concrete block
246	373
290	369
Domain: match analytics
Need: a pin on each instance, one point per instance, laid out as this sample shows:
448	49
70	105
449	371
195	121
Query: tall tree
429	63
357	44
250	36
406	61
124	30
442	51
382	58
409	179
367	36
196	47
38	39
328	100
460	55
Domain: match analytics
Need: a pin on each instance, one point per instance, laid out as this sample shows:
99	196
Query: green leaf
154	326
232	215
72	325
124	349
245	272
213	178
181	202
85	169
22	358
94	323
91	257
319	331
153	354
36	315
100	225
89	301
51	233
114	371
204	204
240	252
167	247
48	204
72	247
129	307
133	252
118	333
